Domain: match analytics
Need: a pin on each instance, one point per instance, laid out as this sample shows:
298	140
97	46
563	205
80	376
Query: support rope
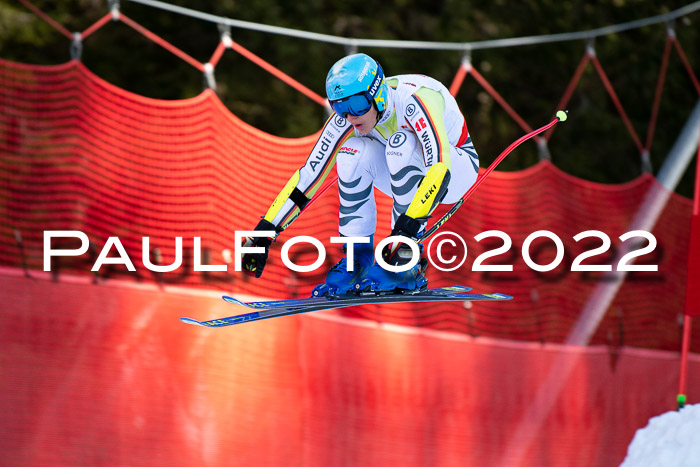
162	42
216	56
97	25
501	101
459	77
279	74
426	45
616	101
658	92
564	102
48	19
691	73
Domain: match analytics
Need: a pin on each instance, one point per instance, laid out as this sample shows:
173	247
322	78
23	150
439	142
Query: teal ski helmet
354	83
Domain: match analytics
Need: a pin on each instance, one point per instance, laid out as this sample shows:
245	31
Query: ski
304	302
328	303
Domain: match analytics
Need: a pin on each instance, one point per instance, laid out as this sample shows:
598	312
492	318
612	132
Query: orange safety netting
81	154
106	375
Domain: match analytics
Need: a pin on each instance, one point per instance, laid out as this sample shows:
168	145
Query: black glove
254	263
397	253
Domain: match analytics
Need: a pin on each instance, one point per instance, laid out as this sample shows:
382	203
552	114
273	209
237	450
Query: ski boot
381	281
341	281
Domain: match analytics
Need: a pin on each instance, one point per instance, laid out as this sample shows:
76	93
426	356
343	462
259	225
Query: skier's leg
361	165
406	170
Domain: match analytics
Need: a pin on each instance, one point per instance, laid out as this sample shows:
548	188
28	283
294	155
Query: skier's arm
299	189
428	123
308	179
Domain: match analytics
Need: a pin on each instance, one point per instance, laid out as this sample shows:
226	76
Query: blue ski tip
499	296
235	301
191	321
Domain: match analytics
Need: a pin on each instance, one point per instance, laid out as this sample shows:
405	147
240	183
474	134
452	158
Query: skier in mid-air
404	135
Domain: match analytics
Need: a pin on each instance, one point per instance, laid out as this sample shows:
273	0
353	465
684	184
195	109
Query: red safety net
107	375
81	154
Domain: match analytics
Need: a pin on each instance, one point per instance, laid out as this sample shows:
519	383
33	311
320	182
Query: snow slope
669	440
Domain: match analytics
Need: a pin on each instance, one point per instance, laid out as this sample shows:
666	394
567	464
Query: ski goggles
355	105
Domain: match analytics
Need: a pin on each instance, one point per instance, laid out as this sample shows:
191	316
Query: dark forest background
593	144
